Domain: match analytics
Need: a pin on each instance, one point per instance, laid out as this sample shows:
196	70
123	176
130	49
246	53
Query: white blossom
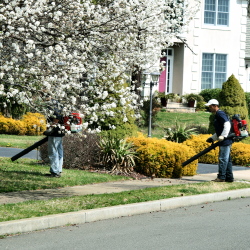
71	50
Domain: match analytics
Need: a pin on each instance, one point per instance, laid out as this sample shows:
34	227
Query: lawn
169	119
28	174
18	141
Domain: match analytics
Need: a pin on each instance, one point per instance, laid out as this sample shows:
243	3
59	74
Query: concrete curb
85	216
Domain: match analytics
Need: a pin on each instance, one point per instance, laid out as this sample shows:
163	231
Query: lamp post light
153	80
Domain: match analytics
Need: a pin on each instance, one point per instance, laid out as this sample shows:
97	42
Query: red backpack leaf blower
72	123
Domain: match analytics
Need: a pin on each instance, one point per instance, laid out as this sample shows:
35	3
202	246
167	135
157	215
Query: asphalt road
10	152
219	225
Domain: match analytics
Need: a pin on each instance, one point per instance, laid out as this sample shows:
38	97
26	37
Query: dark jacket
219	120
57	132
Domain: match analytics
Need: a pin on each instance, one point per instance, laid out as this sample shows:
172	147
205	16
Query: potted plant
170	96
163	98
192	98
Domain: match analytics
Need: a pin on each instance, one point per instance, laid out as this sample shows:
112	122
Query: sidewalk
208	174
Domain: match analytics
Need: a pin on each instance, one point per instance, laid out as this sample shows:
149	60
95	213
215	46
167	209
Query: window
213	70
216	12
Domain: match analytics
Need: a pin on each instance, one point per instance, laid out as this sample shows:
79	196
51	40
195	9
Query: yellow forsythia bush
198	143
240	154
11	126
162	158
30	124
35	123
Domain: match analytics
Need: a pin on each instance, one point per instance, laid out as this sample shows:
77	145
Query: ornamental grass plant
179	132
117	154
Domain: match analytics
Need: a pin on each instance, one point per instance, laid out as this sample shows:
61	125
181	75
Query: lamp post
153	80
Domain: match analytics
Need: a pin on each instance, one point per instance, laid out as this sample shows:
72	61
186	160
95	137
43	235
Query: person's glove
221	138
210	140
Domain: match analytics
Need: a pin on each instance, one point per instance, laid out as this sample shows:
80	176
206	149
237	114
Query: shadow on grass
13	181
26	173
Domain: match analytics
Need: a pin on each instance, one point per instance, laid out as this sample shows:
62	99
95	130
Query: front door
165	80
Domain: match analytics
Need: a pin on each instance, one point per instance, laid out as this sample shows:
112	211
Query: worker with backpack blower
222	127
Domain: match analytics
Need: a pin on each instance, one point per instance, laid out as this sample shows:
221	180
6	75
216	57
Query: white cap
212	102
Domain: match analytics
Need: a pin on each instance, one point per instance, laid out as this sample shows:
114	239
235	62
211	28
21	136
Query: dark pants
225	164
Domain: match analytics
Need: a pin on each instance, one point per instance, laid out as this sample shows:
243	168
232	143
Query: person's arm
226	129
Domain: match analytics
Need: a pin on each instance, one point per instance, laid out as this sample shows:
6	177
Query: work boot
229	180
218	180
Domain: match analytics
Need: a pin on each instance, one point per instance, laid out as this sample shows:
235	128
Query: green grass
27	174
18	141
167	119
31	209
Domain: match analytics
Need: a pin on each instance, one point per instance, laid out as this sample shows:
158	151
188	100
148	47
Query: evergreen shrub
247	94
209	94
144	121
232	98
162	158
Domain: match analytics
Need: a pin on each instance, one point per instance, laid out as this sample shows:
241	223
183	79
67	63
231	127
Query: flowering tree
74	51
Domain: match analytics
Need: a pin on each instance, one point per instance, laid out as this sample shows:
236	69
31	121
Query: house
215	46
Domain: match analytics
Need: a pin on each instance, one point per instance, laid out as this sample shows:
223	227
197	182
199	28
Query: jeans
225	164
55	151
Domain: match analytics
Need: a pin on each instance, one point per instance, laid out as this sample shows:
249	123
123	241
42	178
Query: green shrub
209	94
232	98
200	106
122	130
199	129
144	120
247	94
193	97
